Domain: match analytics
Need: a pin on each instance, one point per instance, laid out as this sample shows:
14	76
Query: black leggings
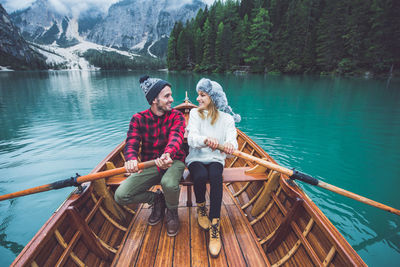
200	173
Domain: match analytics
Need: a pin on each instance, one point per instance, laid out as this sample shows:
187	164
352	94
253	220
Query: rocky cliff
138	25
15	52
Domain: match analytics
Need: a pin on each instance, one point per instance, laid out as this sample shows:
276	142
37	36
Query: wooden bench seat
230	175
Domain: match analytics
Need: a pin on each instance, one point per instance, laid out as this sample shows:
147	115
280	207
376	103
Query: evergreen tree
260	34
198	46
290	36
384	43
219	53
183	50
240	42
246	7
208	46
223	47
172	52
330	45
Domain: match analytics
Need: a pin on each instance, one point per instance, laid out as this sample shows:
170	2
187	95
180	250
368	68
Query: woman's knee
198	172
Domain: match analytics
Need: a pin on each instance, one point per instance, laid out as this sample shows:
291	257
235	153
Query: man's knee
124	195
120	197
170	185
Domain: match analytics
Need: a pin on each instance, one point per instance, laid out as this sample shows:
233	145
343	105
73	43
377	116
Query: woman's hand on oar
295	175
75	181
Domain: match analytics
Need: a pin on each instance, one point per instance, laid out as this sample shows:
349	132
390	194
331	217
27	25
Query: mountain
138	25
15	52
41	24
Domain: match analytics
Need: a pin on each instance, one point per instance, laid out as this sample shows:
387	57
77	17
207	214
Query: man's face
164	100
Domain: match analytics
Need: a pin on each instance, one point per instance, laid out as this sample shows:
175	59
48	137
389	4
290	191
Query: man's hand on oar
75	181
295	175
131	166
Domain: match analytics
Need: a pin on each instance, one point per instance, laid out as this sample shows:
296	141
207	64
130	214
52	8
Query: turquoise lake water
344	131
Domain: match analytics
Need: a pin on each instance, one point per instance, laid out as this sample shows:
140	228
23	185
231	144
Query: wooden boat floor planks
189	247
263	223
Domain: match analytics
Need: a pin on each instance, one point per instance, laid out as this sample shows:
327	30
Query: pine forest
290	36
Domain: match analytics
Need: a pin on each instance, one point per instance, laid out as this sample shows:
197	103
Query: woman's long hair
213	112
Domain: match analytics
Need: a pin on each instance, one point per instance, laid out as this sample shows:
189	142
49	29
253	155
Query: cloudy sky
75	7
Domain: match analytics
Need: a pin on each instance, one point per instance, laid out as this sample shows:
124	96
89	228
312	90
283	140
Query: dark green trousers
135	188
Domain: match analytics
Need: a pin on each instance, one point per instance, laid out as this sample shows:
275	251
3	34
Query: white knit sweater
199	129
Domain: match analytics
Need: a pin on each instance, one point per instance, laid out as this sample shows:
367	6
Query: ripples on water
343	132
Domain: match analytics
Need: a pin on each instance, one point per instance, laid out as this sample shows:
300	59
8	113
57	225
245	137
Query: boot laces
214	231
203	211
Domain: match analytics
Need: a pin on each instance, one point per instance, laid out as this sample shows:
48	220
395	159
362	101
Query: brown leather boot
158	209
215	238
172	222
202	217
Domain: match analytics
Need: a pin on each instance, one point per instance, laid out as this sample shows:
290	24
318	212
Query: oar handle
296	175
74	181
116	171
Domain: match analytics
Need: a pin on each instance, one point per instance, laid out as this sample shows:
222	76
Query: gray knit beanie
217	95
152	87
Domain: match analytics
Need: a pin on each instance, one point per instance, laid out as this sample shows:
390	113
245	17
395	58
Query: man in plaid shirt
159	130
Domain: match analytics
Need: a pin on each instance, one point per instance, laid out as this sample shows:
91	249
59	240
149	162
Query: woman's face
203	99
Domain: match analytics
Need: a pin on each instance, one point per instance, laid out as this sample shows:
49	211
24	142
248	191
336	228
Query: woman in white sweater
210	125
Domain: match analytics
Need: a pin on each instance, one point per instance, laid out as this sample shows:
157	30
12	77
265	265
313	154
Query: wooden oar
295	175
74	181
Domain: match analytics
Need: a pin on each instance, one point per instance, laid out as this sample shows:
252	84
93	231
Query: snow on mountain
128	25
132	24
71	57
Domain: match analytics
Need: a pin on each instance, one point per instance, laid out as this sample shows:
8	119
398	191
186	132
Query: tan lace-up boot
202	217
215	238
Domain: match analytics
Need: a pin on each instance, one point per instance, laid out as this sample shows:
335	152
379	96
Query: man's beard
162	108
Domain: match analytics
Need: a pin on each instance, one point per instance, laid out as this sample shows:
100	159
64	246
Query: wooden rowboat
266	220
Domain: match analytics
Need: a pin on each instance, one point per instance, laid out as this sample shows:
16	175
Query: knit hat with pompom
152	87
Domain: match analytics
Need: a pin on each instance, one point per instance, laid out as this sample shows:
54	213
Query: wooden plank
149	248
284	227
88	235
182	253
229	175
183	196
251	252
234	256
68	249
199	249
310	250
82	252
165	249
131	247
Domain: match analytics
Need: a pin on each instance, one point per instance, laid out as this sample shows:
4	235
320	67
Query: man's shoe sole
174	234
154	223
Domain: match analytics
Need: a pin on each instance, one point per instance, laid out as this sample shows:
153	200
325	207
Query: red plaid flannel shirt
158	135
